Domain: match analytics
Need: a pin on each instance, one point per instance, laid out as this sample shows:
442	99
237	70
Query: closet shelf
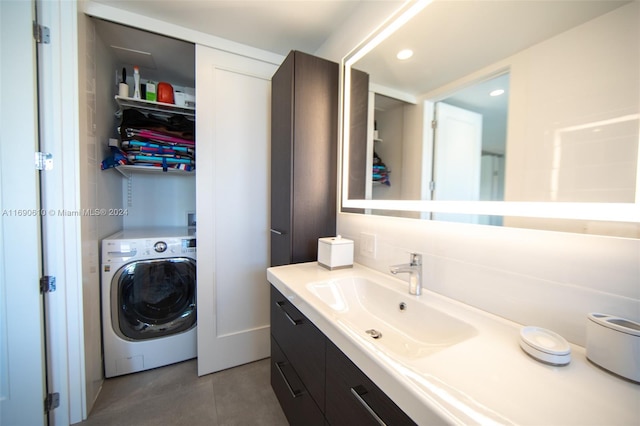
127	170
157	107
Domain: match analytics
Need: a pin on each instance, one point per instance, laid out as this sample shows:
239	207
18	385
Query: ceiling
274	25
450	37
277	26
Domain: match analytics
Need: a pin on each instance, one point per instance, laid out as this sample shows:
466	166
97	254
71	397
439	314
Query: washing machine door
154	298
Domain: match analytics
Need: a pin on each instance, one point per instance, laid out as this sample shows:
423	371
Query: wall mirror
507	113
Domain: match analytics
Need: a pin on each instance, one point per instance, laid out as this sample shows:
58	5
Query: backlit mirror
508	113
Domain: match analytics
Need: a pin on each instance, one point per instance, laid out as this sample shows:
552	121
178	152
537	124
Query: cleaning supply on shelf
136	80
165	93
151	91
123	87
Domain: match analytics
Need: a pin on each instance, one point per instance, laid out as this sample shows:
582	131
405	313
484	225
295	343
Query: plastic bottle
136	80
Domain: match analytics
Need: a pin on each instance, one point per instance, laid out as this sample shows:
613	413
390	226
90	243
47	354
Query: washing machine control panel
116	251
170	246
188	245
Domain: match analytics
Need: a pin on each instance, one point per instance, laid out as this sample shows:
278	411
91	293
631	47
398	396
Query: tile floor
176	396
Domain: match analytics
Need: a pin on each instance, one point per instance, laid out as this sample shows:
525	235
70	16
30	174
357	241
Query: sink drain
374	333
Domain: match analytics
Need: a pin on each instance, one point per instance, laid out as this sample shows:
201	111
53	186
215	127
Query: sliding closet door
232	195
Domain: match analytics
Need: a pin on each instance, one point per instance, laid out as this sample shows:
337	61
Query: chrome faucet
414	269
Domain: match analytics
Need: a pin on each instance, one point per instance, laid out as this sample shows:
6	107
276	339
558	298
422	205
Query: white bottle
136	80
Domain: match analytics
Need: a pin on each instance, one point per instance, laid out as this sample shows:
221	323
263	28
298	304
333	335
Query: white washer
148	299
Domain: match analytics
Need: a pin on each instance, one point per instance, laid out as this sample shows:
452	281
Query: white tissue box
335	252
614	344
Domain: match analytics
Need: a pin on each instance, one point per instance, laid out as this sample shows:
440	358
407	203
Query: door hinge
47	284
432	186
44	161
434	124
51	402
41	33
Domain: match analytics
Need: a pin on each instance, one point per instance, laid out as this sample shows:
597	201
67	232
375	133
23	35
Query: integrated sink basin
397	322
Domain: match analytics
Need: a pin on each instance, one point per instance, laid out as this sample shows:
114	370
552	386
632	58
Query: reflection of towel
380	171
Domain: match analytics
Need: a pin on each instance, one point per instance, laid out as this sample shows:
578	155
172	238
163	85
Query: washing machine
148	299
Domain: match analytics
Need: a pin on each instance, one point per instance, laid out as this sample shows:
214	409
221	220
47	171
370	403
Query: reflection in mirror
566	129
469	147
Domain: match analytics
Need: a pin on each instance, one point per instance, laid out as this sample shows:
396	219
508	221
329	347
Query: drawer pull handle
294	394
286	314
367	406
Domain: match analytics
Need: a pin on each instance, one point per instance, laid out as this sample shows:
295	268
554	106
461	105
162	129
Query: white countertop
487	379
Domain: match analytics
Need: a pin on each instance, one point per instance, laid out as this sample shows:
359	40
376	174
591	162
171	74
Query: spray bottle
136	80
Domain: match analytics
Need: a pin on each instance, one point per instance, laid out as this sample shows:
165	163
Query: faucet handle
416	259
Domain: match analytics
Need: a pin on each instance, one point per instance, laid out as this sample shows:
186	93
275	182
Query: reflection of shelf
160	107
127	170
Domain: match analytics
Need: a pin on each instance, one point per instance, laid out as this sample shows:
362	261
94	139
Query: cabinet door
294	398
232	192
353	399
302	343
281	160
315	135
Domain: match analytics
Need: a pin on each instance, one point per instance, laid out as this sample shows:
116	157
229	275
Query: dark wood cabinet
302	342
315	382
353	399
304	149
296	402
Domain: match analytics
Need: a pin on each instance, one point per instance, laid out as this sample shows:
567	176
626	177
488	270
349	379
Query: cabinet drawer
302	342
353	399
294	398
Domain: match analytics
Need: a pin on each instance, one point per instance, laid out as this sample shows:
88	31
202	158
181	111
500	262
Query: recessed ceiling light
496	92
404	54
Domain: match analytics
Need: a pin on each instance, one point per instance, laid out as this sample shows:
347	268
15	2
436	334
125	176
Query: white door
58	118
232	191
22	371
457	155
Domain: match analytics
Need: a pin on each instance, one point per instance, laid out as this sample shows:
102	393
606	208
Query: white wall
97	189
547	279
543	278
563	91
158	199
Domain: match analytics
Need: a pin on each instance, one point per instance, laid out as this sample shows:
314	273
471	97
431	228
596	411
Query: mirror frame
611	212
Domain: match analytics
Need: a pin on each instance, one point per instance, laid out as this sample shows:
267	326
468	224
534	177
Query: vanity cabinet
298	405
315	382
304	149
301	341
353	399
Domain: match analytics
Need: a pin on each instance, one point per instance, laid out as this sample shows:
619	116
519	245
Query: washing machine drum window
154	298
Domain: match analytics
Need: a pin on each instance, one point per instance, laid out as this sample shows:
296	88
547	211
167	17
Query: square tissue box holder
335	252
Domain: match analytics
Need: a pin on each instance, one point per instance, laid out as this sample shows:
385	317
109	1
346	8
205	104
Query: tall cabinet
304	133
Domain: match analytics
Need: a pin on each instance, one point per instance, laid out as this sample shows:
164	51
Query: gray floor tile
244	396
175	395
